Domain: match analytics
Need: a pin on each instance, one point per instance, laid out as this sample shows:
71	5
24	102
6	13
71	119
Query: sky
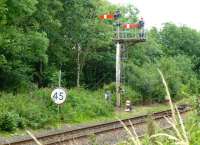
157	12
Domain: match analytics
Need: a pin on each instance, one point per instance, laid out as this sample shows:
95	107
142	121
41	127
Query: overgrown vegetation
38	38
177	135
36	110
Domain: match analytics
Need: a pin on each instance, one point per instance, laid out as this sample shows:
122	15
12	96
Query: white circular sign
58	96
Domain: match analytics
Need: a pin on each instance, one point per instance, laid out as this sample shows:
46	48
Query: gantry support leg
118	75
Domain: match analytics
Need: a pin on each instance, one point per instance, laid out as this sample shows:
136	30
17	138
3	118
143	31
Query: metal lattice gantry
131	37
125	34
123	39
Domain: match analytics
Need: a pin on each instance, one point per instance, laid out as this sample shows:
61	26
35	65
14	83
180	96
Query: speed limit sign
58	96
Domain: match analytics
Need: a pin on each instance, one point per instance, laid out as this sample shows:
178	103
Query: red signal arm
107	16
130	26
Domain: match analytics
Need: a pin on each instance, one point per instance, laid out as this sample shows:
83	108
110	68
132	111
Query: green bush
21	123
36	116
132	95
88	104
111	87
37	110
146	81
178	71
8	121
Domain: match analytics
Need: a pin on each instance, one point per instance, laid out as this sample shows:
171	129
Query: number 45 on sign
58	96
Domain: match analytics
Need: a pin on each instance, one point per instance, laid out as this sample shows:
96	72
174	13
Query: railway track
83	134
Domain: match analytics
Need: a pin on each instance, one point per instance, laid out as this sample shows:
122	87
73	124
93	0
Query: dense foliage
36	110
174	50
37	38
40	37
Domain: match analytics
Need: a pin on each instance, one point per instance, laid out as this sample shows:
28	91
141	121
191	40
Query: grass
36	112
121	114
179	135
139	110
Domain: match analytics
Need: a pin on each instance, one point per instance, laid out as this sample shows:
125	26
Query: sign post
59	78
59	94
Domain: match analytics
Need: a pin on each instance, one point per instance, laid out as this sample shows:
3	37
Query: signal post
122	38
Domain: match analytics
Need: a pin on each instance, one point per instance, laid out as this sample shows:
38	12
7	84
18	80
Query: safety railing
131	34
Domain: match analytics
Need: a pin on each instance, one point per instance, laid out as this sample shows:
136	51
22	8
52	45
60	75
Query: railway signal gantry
125	34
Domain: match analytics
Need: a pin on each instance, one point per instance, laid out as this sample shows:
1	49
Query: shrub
36	116
179	74
111	87
88	104
36	109
132	95
8	121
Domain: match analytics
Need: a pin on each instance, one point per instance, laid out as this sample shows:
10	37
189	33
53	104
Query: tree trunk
78	68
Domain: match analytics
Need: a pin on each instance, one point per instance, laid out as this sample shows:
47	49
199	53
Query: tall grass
180	136
34	138
36	109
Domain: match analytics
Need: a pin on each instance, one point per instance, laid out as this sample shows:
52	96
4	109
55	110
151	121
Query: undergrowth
181	133
36	109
